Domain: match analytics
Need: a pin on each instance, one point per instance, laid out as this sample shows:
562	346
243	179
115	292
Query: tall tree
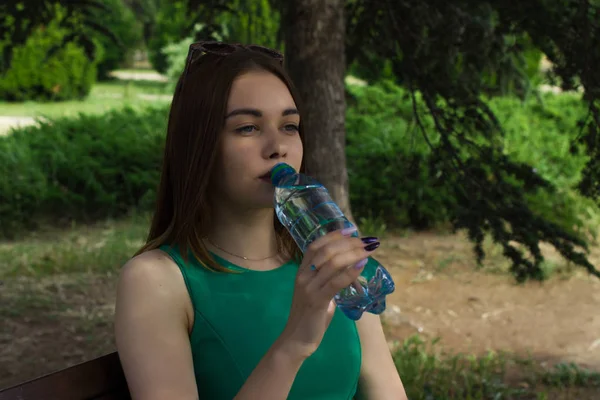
314	35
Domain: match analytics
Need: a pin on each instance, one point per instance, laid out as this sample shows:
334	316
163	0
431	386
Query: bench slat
98	379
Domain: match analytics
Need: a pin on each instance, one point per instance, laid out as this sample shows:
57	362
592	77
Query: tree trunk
314	33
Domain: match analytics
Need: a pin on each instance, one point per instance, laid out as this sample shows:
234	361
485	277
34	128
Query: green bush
41	71
391	170
394	173
84	168
122	22
23	186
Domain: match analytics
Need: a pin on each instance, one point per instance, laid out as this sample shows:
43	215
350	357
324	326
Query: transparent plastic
305	208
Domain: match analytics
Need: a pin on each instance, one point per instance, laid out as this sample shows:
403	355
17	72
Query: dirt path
440	294
50	324
8	122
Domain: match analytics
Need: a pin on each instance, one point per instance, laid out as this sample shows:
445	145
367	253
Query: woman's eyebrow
290	111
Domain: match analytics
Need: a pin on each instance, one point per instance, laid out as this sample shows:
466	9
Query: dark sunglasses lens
219	47
266	51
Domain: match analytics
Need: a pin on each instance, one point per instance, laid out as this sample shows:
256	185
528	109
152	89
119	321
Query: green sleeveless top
237	317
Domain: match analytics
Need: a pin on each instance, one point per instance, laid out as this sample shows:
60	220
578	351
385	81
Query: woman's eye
246	129
292	128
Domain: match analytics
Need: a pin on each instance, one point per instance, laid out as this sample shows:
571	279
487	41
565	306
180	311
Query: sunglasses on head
224	49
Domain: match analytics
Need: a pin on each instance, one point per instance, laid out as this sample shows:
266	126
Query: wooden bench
98	379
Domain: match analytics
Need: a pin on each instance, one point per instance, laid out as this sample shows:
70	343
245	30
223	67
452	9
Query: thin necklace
242	257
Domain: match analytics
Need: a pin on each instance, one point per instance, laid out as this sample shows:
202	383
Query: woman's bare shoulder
152	264
153	274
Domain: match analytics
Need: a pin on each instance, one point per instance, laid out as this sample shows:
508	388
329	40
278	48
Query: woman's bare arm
151	328
379	379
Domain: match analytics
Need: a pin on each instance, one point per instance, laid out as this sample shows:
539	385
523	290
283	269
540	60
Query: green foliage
180	23
393	169
171	26
81	169
371	68
252	22
428	374
176	56
19	19
389	163
570	375
121	21
23	185
372	226
102	247
453	54
39	70
145	12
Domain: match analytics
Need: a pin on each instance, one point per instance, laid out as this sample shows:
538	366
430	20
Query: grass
372	226
428	373
100	248
104	96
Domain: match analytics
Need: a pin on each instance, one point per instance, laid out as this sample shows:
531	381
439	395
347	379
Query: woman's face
261	130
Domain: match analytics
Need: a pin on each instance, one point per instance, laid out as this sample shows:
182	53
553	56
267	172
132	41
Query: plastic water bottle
305	208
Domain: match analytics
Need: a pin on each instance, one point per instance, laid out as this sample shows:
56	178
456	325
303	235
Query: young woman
220	304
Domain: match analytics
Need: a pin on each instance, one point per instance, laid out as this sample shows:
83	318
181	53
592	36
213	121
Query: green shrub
394	174
23	186
390	167
84	168
40	71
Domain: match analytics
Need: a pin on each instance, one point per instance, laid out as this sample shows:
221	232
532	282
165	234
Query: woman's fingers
347	256
333	262
340	281
323	241
341	269
318	245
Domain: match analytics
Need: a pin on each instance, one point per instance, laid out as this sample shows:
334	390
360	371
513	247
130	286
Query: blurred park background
469	143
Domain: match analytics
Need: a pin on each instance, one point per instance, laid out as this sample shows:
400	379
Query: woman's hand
330	264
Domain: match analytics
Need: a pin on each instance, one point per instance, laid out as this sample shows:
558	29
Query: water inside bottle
308	213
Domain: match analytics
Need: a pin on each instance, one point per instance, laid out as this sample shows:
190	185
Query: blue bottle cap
280	171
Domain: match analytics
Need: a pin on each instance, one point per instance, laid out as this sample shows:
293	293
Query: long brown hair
196	120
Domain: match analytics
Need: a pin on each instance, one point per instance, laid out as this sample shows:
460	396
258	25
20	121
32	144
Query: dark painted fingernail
372	246
369	239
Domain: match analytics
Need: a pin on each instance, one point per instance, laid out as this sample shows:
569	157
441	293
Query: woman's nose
275	146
